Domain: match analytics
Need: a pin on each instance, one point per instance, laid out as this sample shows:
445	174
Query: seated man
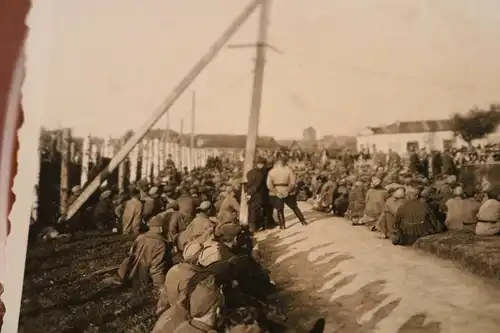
488	217
414	219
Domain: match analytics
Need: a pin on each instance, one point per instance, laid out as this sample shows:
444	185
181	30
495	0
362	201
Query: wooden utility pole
258	83
164	107
65	159
86	154
191	143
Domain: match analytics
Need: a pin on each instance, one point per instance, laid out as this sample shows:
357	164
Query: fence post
134	164
144	160
65	159
86	156
121	172
149	168
156	158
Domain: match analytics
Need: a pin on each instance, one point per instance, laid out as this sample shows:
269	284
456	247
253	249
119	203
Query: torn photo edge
14	31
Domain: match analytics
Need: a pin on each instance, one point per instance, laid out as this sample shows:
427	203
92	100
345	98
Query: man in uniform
255	191
281	184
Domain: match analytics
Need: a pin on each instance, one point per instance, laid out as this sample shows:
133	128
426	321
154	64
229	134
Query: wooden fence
66	162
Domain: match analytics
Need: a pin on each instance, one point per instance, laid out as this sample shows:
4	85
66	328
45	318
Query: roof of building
414	127
305	145
231	141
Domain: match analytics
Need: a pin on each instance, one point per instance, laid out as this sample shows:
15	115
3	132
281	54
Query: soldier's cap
76	189
172	205
205	205
375	181
451	179
426	193
153	191
156	221
209	254
204	297
192	252
458	191
393	186
227	231
399	193
105	194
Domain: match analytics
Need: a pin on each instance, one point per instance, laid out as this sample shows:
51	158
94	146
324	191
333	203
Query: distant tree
127	135
477	123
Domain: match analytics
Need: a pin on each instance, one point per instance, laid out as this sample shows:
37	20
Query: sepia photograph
274	166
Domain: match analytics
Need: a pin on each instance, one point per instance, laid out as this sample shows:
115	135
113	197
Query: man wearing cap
221	247
170	162
448	164
204	308
414	219
201	228
375	203
132	213
229	207
460	211
149	256
281	183
255	191
178	276
170	319
186	203
445	192
152	204
388	218
488	217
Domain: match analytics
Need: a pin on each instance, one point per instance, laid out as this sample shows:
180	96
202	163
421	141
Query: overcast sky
103	66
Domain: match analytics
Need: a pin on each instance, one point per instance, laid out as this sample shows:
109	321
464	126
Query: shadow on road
300	281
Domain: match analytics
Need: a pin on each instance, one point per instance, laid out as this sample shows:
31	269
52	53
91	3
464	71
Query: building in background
405	135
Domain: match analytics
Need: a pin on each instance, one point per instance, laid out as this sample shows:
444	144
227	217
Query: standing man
255	192
267	207
281	184
170	162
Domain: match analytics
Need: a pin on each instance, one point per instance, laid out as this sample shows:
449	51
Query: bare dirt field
59	295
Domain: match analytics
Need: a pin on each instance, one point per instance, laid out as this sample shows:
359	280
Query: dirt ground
58	295
328	269
360	283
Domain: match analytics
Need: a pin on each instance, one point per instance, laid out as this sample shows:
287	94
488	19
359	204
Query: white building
404	135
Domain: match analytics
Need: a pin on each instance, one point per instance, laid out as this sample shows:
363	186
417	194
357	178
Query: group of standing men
271	188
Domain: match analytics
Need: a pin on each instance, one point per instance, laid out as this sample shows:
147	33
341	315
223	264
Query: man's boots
281	219
300	216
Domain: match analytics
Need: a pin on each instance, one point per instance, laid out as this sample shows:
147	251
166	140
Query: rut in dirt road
359	283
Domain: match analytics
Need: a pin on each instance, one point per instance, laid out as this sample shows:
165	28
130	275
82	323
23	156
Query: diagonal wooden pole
162	109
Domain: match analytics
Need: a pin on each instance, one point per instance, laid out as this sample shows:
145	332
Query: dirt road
360	283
